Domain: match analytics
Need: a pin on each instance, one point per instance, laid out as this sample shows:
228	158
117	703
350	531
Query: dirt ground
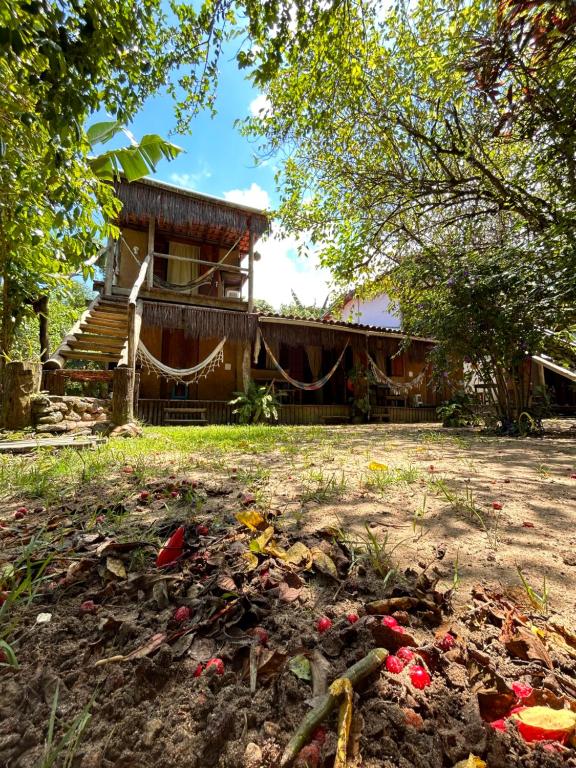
334	523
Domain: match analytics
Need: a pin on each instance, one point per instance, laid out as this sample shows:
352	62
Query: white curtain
182	272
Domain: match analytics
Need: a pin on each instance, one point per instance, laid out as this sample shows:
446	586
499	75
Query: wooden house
176	309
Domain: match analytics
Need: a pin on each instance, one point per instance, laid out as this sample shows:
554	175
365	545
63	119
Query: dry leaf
149	647
523	644
251	519
471	762
324	563
320	667
288	594
298	555
116	566
226	583
251	561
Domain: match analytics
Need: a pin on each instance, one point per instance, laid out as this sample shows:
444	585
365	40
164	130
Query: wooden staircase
101	335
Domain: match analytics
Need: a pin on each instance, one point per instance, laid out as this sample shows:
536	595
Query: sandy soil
121	673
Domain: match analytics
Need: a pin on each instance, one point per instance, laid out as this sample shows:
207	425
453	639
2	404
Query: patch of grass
381	480
320	485
63	752
466	503
539	600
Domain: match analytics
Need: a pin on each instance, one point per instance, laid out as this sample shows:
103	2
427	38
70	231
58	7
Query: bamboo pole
151	233
251	270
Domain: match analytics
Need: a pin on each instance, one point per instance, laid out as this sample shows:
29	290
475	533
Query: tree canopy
435	145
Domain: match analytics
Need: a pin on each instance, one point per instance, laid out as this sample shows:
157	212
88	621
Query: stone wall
59	414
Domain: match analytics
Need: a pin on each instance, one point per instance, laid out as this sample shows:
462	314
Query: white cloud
191	180
281	270
254	196
259	105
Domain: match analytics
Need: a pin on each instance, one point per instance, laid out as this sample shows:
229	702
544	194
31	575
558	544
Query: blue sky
219	161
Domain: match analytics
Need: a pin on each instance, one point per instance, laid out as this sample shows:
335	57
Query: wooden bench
189	414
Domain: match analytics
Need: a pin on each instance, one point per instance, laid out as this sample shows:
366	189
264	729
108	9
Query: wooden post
109	267
251	270
123	396
151	233
41	309
21	380
246	367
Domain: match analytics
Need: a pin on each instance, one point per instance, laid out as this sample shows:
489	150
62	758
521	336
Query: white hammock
185	375
396	386
314	385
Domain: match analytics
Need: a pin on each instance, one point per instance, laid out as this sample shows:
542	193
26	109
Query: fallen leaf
116	566
471	762
324	563
251	560
320	668
226	583
288	594
523	644
251	519
300	666
149	647
298	555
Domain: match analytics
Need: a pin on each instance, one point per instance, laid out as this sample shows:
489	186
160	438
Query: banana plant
132	162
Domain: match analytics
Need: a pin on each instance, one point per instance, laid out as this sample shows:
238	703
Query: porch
160	412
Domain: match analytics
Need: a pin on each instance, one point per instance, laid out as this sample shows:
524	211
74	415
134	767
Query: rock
569	559
101	427
252	755
51	418
151	731
102	416
55	428
87	417
72	416
39	402
127	430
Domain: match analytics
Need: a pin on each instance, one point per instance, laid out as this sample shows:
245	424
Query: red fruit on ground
405	654
522	690
172	549
394	665
144	495
496	505
499	725
24	510
573	477
398	629
218	665
18	515
419	677
3	597
309	756
447	642
323	624
202	530
88	606
319	735
262	635
174	494
182	613
3	657
389	621
431	468
528	524
198	670
128	470
352	618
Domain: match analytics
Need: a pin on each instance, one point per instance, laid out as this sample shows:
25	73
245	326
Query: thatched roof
202	217
201	321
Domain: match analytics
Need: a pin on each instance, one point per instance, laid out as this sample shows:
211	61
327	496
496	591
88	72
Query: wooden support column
109	268
251	271
246	367
21	380
151	234
123	396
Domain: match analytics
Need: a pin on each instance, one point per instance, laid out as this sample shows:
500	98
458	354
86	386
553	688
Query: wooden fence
220	412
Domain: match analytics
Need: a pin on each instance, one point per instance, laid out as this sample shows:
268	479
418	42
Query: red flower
419	677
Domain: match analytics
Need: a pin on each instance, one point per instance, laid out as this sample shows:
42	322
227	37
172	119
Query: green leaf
300	666
100	133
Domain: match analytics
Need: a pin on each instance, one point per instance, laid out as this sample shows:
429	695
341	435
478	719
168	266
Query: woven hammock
396	386
300	384
184	375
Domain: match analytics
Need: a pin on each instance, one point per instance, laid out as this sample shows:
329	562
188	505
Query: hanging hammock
396	386
185	375
299	384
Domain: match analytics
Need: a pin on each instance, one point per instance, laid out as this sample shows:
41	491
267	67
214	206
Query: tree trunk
41	308
21	380
123	396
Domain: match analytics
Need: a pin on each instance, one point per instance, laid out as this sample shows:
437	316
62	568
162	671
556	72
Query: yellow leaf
343	687
251	560
251	519
375	466
116	566
324	563
264	538
471	762
298	555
